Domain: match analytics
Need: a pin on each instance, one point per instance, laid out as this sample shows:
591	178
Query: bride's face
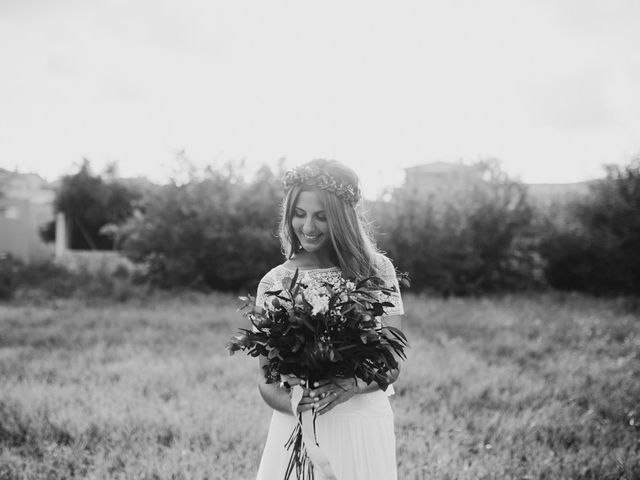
309	221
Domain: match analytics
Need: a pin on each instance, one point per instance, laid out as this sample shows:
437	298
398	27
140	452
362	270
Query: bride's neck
315	259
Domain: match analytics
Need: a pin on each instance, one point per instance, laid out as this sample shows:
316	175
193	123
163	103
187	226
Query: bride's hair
353	245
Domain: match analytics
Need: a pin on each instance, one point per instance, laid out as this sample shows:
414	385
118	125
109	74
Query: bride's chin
311	246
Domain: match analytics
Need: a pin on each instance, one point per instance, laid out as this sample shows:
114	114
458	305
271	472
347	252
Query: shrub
478	240
599	251
9	269
90	202
35	282
217	231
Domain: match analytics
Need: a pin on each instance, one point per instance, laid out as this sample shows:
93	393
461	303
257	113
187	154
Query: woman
322	235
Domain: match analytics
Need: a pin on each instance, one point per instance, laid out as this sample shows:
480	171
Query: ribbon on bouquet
305	419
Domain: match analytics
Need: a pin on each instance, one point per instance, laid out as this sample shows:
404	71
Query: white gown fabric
356	436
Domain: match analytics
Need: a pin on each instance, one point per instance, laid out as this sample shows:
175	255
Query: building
441	180
26	204
445	181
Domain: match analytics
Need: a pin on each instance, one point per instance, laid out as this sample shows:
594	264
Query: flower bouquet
313	330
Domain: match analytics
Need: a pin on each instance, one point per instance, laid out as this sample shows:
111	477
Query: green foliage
216	231
600	251
9	268
90	203
476	241
45	281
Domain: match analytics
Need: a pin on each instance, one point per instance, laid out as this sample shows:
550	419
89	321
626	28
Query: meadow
516	387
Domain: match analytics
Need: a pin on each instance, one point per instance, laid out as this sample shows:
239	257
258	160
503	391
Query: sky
548	87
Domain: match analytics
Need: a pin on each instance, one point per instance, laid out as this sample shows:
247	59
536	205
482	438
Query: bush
90	202
217	231
477	241
47	281
599	251
9	269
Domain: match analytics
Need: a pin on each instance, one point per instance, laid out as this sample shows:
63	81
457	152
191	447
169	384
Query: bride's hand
326	394
306	402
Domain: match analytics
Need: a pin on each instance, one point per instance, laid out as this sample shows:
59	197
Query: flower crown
314	177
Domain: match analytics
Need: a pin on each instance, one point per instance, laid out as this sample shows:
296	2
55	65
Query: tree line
216	229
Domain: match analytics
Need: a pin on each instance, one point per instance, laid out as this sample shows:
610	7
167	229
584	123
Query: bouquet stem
299	460
306	454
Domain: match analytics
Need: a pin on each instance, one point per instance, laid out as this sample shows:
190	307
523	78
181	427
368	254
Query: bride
323	236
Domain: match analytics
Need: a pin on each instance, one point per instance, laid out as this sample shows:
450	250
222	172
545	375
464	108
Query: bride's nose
309	226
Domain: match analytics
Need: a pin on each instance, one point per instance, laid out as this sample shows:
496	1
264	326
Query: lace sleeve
387	273
266	283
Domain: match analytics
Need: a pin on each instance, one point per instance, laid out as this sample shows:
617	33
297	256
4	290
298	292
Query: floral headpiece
314	177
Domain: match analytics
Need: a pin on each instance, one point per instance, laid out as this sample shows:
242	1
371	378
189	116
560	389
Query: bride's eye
298	213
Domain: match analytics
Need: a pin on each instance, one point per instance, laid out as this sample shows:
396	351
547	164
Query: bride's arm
273	394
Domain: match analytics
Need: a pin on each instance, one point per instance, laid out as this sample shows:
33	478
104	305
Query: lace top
273	280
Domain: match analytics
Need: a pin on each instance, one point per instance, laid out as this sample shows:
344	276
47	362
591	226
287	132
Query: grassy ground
511	388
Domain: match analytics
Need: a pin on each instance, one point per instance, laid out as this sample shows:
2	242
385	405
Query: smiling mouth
311	237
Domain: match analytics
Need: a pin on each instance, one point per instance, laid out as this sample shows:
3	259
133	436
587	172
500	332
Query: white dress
356	436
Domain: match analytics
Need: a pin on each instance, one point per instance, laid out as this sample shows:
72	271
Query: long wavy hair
353	245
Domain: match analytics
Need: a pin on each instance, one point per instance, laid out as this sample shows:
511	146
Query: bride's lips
310	238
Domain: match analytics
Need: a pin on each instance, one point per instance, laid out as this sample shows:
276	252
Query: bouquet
320	329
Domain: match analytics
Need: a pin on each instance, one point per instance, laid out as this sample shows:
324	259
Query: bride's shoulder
274	272
277	273
381	260
383	265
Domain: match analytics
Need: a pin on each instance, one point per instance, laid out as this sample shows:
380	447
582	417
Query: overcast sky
550	87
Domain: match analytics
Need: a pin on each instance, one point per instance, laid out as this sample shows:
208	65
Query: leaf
286	283
273	353
293	289
334	356
302	319
403	279
396	332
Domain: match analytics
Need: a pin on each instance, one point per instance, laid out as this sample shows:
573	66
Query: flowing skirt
356	436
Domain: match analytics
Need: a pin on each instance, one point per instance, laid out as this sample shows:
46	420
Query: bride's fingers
328	403
320	383
292	380
306	400
304	408
321	391
321	403
323	388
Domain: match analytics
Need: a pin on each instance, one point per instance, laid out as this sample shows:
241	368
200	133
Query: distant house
547	194
443	180
26	203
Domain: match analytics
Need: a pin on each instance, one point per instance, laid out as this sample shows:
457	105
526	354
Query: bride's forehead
310	200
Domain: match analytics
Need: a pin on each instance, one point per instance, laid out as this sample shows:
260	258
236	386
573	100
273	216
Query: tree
599	252
216	230
480	239
90	203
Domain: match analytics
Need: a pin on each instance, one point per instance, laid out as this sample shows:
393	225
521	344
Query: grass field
537	387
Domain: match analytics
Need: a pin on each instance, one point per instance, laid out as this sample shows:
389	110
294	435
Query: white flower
317	297
320	304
